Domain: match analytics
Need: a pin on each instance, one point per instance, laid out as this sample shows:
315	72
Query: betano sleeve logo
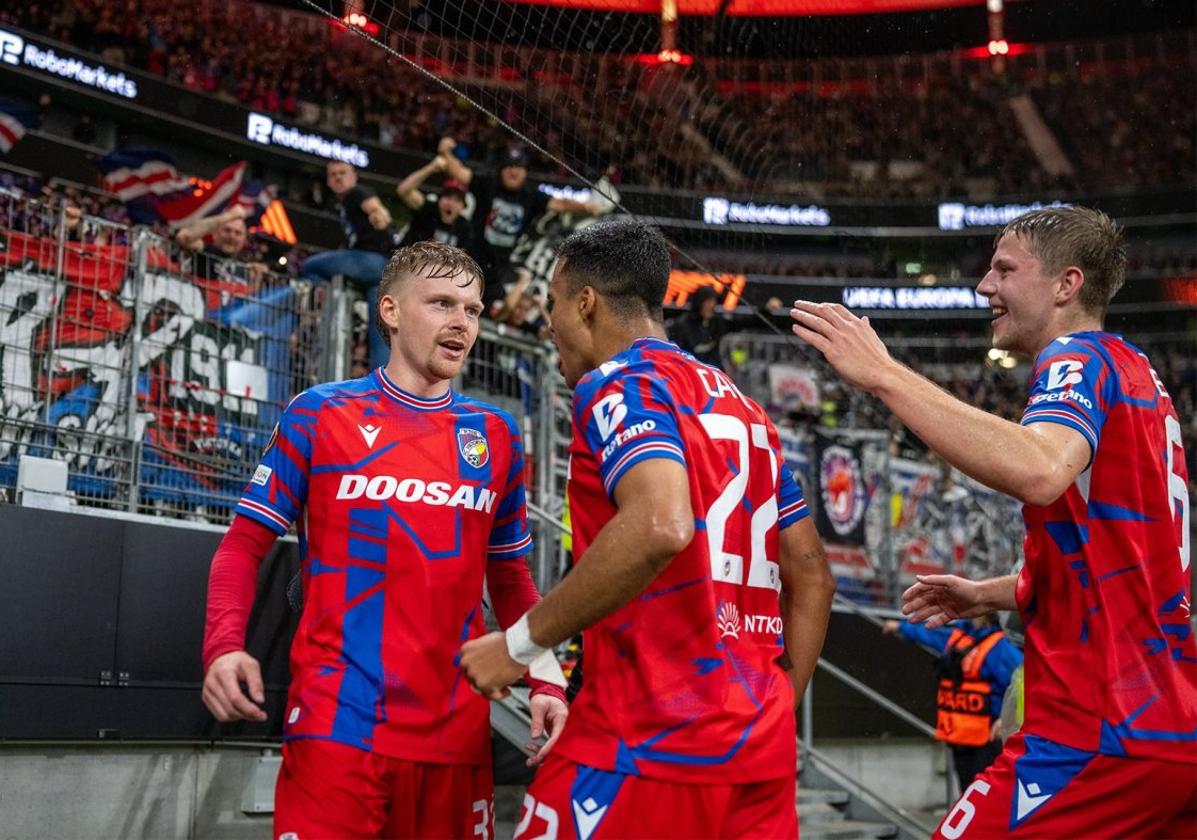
1063	374
609	412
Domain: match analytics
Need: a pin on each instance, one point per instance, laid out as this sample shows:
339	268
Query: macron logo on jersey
435	493
1029	798
370	434
608	368
1063	374
608	414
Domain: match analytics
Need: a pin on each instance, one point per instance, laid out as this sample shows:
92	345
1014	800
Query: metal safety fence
518	372
156	380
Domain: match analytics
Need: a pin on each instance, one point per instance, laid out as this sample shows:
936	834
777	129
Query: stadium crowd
994	388
870	137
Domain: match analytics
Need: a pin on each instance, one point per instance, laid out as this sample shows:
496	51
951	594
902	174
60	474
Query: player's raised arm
1033	463
939	599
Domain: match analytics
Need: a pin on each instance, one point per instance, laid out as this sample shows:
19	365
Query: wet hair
1076	236
432	259
624	259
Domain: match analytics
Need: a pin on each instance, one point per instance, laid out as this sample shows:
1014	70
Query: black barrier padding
88	598
55	712
59	583
899	670
165	583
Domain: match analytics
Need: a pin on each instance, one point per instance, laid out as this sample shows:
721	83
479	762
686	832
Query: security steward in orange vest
975	666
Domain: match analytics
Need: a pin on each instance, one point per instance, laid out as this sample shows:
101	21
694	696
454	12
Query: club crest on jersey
728	620
472	445
842	488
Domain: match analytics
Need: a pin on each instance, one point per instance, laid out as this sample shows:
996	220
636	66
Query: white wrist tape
520	646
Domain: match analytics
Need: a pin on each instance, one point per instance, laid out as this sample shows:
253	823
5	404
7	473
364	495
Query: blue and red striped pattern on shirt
682	683
400	503
1111	664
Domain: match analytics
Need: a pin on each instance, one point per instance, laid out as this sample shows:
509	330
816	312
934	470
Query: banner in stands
208	357
944	522
848	562
793	388
842	490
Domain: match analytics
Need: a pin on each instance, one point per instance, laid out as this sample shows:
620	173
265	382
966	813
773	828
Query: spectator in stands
505	209
976	664
227	258
700	330
438	216
370	239
521	309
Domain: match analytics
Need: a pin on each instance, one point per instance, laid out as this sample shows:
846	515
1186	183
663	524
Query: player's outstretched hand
222	688
938	599
548	718
488	666
849	344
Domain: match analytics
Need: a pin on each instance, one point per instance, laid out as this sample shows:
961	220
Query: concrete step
819	812
845	830
829	795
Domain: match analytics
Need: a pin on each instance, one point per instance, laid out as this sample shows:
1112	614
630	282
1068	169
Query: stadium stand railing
158	388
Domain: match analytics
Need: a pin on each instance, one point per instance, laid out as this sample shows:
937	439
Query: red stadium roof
758	8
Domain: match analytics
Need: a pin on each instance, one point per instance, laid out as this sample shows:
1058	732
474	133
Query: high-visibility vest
965	710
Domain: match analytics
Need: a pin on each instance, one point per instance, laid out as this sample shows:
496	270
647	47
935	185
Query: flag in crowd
134	173
139	176
15	119
149	183
194	204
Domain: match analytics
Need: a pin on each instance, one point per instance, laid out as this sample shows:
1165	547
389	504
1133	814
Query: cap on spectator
515	157
452	186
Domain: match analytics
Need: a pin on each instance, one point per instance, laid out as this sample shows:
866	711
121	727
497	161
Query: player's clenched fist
223	694
488	666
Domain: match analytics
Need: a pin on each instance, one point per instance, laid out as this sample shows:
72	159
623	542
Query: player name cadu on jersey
1111	664
682	683
400	504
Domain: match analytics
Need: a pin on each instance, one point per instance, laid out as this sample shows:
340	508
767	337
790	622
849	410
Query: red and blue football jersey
682	684
1111	664
400	502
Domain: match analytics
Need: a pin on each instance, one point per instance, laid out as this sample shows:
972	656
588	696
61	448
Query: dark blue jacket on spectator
999	665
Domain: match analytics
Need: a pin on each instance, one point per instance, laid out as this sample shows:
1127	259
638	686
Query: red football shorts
1038	788
568	800
328	790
